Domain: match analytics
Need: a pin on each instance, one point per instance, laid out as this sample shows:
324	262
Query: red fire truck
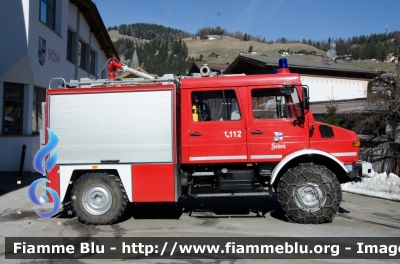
157	139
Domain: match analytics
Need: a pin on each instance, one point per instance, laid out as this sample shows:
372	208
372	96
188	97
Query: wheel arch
76	174
306	156
70	174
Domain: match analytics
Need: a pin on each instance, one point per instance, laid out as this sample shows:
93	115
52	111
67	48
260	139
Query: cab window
275	103
218	105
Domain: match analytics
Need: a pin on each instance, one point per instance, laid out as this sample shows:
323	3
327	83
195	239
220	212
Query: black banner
203	247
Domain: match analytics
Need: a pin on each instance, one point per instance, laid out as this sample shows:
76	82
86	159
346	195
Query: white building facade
43	39
326	89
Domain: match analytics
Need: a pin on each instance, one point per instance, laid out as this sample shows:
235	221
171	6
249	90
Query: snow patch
380	185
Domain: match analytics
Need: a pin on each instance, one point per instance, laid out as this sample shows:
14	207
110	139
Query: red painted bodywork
153	183
253	147
53	175
340	143
54	179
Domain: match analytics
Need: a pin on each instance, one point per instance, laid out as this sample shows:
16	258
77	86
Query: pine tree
330	117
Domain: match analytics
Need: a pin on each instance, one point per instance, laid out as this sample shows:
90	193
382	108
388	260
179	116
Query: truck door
217	131
277	125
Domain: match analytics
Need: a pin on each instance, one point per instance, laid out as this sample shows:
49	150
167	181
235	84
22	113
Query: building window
82	55
92	62
48	13
13	100
69	46
39	96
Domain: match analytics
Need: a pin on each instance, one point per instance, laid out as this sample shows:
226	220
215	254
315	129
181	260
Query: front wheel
309	194
99	198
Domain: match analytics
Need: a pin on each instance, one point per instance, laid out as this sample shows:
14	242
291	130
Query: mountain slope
229	48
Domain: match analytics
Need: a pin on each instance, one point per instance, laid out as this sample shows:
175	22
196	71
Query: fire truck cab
156	140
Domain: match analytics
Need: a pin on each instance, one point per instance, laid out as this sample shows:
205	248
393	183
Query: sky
292	19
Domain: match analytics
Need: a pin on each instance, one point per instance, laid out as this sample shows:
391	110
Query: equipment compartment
235	180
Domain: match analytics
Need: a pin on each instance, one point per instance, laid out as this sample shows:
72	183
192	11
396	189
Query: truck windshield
273	103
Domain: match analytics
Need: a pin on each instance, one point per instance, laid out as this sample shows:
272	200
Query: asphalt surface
359	216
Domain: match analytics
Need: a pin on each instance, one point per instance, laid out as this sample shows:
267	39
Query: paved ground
359	216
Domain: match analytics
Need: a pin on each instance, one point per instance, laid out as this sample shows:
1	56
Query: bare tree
397	92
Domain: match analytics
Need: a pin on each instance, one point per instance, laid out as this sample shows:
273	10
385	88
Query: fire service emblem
42	51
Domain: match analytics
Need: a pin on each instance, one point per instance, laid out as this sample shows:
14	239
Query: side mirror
306	98
287	90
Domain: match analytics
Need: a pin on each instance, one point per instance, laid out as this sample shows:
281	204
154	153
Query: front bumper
366	170
360	169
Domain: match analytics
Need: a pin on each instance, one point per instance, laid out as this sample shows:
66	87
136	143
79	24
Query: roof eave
96	24
367	74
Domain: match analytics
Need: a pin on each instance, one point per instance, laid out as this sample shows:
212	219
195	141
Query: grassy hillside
373	65
229	48
115	35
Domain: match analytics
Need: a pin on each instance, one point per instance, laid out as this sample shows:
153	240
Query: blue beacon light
283	63
283	66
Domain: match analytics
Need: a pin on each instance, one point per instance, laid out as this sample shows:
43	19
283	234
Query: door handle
195	134
257	132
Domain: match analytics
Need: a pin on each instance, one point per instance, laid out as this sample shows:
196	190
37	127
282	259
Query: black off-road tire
99	198
309	194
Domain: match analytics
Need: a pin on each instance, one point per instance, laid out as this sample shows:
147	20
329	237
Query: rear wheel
99	198
309	194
